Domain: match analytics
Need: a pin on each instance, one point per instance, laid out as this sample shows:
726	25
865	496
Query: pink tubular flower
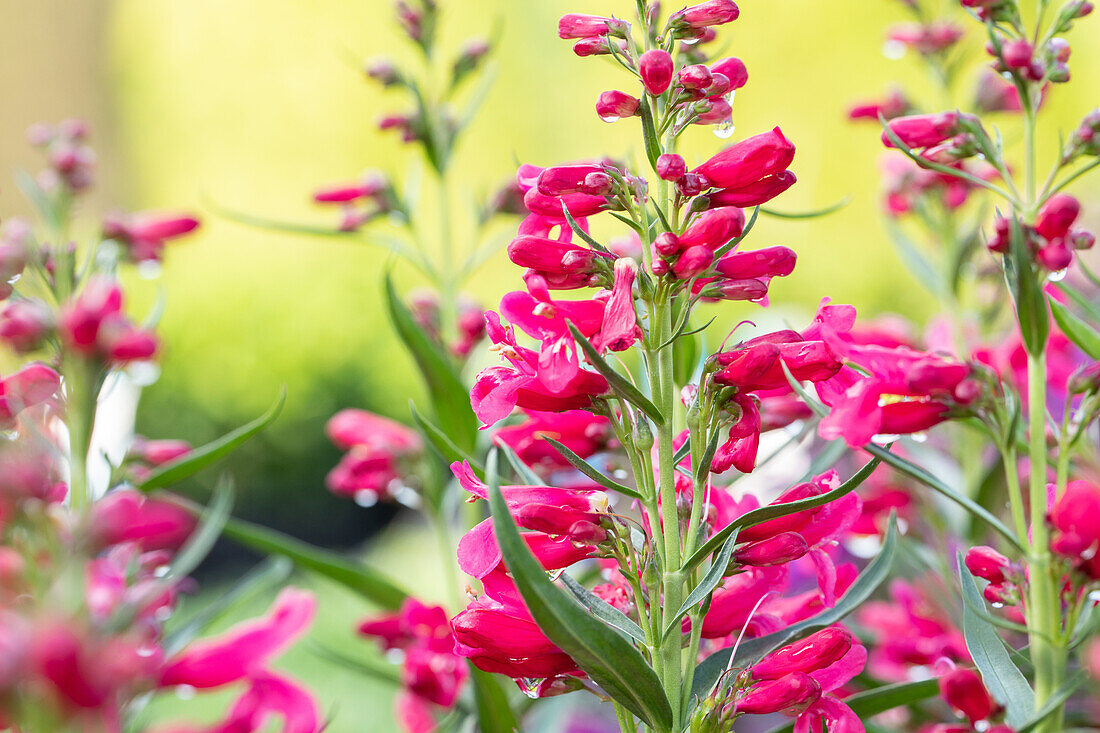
893	105
144	234
926	39
792	693
25	324
757	363
613	105
351	427
579	25
246	648
671	167
963	690
378	450
582	432
563	265
126	515
713	228
734	70
555	511
760	263
697	17
922	131
1076	531
1057	216
620	322
656	67
93	324
157	452
268	697
32	385
754	194
814	652
747	162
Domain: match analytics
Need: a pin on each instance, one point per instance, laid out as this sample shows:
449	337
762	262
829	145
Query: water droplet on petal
610	118
366	497
185	692
893	50
919	437
529	686
884	439
1058	276
724	131
148	269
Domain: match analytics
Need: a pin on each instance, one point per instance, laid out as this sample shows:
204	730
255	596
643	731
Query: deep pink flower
144	234
556	511
698	17
792	693
126	515
757	363
656	67
963	690
579	25
1074	518
671	167
561	264
812	653
781	549
582	432
93	324
620	327
893	105
479	554
1057	216
747	162
351	427
157	452
32	385
754	194
922	131
245	649
713	228
24	324
926	39
734	70
766	262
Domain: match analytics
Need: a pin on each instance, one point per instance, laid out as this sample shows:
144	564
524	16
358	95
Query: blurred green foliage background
251	105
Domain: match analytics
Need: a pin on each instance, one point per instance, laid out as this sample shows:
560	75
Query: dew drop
143	373
395	656
148	269
610	118
919	437
529	686
619	473
185	692
724	131
366	497
893	50
555	574
1057	276
884	438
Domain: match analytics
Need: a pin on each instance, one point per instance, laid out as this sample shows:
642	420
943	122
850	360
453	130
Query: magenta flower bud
579	25
693	261
815	652
1056	256
659	266
748	161
1081	239
719	85
598	46
1017	54
921	131
697	17
766	262
778	550
734	70
696	77
714	228
656	67
666	244
1083	8
1059	49
963	690
382	71
985	562
1057	216
562	179
756	193
790	694
671	167
748	289
614	105
597	184
713	111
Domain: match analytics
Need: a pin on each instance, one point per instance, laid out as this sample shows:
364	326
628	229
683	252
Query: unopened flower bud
689	21
985	562
643	435
734	70
779	550
580	25
599	46
1017	54
666	244
963	690
597	184
383	71
671	167
614	105
815	652
1085	379
692	184
1081	239
1057	216
791	694
697	77
694	261
656	68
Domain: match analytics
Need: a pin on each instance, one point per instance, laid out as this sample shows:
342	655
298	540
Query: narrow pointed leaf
753	650
618	382
442	444
649	133
368	583
448	394
494	714
708	583
774	511
175	471
608	658
603	610
1077	330
585	236
812	214
526	475
1005	682
589	470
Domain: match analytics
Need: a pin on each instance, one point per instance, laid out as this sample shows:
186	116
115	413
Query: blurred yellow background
251	105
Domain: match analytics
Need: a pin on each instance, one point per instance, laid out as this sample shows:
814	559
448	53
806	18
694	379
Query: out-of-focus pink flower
126	515
32	385
924	130
963	690
378	451
93	324
1074	518
579	25
894	104
582	432
25	323
244	650
268	697
995	94
144	234
926	39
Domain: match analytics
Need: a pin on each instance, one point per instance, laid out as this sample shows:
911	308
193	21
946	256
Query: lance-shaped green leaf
584	236
917	263
751	651
620	384
494	714
1079	332
589	470
526	475
368	583
603	610
441	443
703	463
774	511
607	657
869	703
649	134
1080	300
1027	296
449	395
175	471
811	214
1005	682
708	583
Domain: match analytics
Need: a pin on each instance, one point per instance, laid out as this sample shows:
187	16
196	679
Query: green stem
662	388
1048	650
80	404
1015	495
